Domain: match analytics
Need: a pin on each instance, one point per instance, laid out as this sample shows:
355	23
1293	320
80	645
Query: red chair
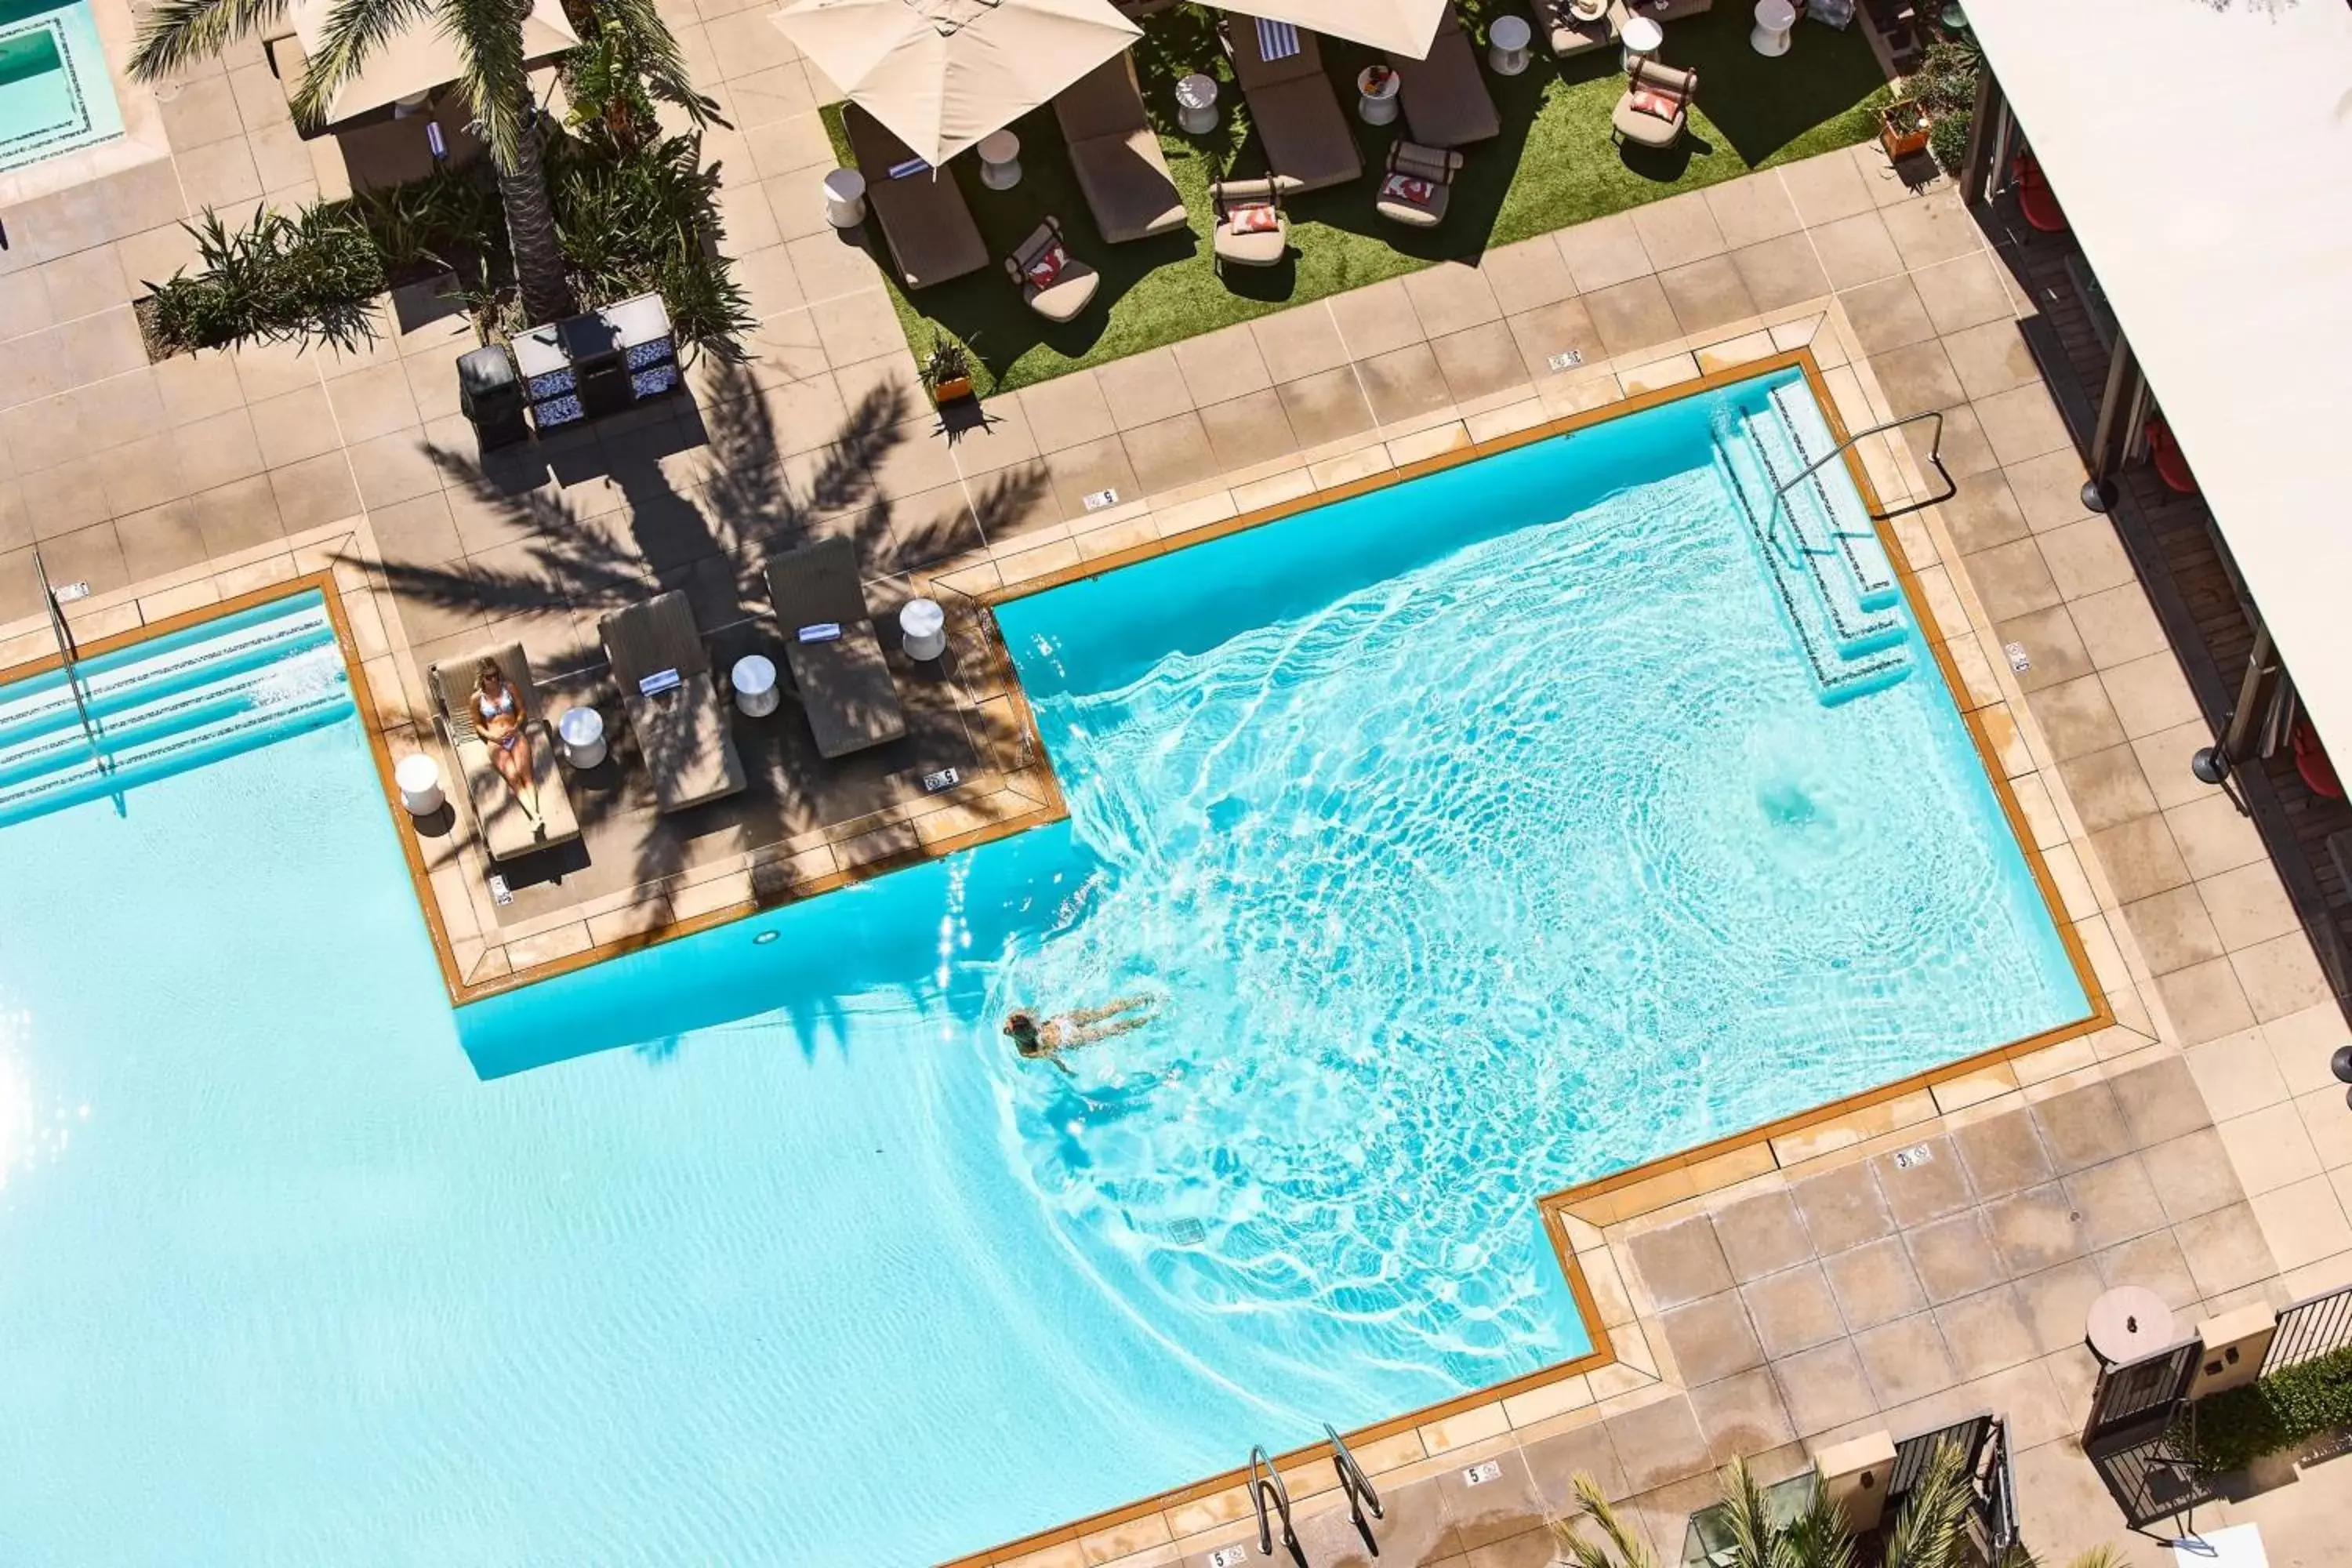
2311	761
2034	199
2165	453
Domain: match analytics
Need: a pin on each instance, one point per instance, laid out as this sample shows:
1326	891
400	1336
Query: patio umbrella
1396	26
945	73
419	59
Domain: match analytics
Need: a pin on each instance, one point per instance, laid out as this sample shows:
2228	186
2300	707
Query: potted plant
1902	128
947	369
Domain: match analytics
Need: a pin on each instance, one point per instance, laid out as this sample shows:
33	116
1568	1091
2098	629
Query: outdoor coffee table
2128	1323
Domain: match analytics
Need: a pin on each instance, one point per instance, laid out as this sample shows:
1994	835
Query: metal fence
2312	1328
2141	1389
1983	1443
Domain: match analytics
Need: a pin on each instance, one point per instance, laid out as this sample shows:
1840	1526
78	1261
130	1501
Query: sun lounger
1445	98
1295	110
1115	154
847	689
498	815
1571	33
682	727
1669	85
923	216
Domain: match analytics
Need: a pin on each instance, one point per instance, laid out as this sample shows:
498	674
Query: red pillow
1043	271
1665	106
1405	188
1254	220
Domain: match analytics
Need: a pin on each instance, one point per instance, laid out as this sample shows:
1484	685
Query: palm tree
488	37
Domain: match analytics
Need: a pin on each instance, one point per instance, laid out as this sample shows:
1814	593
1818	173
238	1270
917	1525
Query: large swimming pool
1472	838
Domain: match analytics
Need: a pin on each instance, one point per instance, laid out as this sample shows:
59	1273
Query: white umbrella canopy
944	73
420	59
1395	27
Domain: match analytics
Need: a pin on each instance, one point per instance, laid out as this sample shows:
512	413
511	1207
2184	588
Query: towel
909	169
1277	40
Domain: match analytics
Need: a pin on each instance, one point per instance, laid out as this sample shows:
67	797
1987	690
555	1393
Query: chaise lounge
498	815
845	688
924	220
1447	103
1571	33
1115	154
1292	104
1650	89
682	727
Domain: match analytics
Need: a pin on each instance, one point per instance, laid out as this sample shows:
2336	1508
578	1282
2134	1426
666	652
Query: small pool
55	94
1469	838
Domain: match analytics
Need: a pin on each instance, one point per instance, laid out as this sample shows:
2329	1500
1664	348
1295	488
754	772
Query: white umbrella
419	58
1395	27
945	73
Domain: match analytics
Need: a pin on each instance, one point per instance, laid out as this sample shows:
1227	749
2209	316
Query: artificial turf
1554	165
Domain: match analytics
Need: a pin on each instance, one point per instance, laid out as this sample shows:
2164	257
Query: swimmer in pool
1045	1039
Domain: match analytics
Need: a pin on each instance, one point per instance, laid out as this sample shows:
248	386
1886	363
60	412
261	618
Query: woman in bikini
499	718
1045	1039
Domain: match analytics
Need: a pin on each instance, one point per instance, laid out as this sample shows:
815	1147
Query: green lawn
1553	165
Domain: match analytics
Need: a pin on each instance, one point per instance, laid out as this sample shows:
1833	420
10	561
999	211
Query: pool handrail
1934	460
1357	1487
1265	1482
67	656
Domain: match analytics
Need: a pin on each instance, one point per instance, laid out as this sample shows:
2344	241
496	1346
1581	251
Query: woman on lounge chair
499	718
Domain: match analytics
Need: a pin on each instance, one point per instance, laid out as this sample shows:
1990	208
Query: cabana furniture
683	729
1293	108
1569	34
1055	289
1447	103
1115	154
1671	84
1432	169
1245	235
923	216
497	815
845	688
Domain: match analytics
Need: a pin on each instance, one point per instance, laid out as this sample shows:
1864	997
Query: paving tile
1658	1444
1603	253
1631	316
2049	489
82	284
1706	294
1982	513
1905	1360
2003	1154
2269	1148
1753	208
1711	1337
1856	250
1089	468
2281	977
2247	905
2116	1200
2086	558
1843	1208
2302	1223
1875	1283
1917	378
2160	1101
2154	1262
239	516
1887	314
1931	229
1495	1509
1991	358
1326	406
1782	272
2057	1302
1528	274
1967	291
1986	1332
2225	1249
2141	862
1928	1189
1742	1415
1792	1310
1249	430
392	468
1554	1463
1169	453
2204	1002
1448	298
2150	695
1376	320
2035	1229
2173	929
1403	382
2237	1074
1221	366
1301	342
2052	646
1555	329
1824	1387
1681	1262
1143	389
66	498
1826	188
160	539
1953	1256
2022	424
1479	361
2081	1127
1761	1235
1678	230
92	555
314	491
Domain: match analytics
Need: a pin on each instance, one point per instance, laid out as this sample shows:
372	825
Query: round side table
1642	38
1774	18
1376	95
419	779
2128	1323
754	680
1196	104
1507	44
925	628
844	198
1000	160
581	733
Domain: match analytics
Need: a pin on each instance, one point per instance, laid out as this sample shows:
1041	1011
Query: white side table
754	680
581	733
419	778
1376	95
1642	38
844	198
1000	160
925	628
1774	19
1507	44
1196	104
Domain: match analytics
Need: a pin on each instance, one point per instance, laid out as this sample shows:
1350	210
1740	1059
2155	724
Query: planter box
1902	131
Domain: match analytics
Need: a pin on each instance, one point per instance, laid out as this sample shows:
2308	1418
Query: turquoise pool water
55	93
1474	838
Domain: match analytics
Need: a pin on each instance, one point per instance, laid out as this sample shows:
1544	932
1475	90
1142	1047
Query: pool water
1468	839
55	94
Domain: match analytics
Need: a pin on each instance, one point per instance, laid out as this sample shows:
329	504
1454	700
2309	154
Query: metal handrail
65	651
1934	460
1265	1482
1357	1488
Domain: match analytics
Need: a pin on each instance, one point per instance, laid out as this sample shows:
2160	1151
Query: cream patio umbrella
1395	27
945	73
415	62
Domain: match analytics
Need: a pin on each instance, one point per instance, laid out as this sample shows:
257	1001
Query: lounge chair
1296	111
1447	103
1673	84
1241	238
498	815
923	216
1072	287
1569	34
845	688
1434	169
682	726
1115	154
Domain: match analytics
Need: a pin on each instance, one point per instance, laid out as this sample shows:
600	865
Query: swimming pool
1474	836
55	94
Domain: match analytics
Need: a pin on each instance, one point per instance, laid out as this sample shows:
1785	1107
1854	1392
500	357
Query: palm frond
355	29
654	51
179	33
1818	1537
1748	1519
495	80
1931	1529
1623	1548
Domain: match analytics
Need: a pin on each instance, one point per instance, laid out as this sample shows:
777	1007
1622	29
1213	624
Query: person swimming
1045	1039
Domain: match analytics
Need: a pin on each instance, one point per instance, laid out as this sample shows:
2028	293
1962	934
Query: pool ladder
1271	1499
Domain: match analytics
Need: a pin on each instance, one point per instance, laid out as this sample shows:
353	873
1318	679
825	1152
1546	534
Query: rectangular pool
1461	841
55	93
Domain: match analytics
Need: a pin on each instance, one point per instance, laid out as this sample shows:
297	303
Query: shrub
2236	1429
315	273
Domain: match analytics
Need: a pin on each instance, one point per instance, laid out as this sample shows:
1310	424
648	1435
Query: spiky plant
1618	1547
1817	1537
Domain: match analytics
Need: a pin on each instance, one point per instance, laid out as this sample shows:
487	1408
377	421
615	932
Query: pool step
1854	646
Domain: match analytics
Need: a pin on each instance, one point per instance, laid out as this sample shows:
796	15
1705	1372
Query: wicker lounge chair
1447	103
1072	288
1115	154
1233	245
1434	167
498	815
1296	111
683	727
1671	83
845	687
1569	34
923	216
